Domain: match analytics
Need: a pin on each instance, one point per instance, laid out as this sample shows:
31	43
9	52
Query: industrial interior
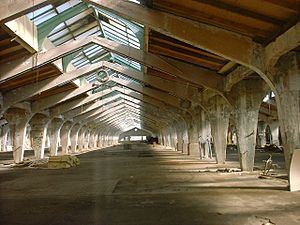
142	112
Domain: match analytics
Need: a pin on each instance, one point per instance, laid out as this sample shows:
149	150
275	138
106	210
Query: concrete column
96	137
17	121
4	138
38	134
247	104
193	145
287	83
86	139
261	134
185	138
91	139
81	138
204	132
219	122
105	141
74	137
54	136
100	140
274	126
64	137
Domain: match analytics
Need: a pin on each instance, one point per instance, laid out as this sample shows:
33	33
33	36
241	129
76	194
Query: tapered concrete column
247	104
261	129
17	122
82	139
219	122
204	133
180	144
3	138
91	139
19	132
110	139
74	137
274	126
287	82
182	137
64	137
38	134
96	137
87	139
104	143
55	127
193	145
100	140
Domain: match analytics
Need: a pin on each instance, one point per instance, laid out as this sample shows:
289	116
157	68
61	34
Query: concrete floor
143	186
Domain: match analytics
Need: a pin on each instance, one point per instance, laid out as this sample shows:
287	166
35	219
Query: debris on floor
229	170
41	163
64	161
220	170
258	220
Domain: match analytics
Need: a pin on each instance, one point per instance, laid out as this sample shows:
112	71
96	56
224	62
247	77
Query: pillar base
194	149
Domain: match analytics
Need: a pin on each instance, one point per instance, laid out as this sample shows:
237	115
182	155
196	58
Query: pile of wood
63	161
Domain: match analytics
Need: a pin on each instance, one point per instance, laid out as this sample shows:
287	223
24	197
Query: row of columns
72	137
241	106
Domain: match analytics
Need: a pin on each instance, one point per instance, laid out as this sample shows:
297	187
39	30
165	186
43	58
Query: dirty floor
144	186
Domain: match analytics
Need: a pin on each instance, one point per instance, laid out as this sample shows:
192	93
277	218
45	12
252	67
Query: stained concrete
143	186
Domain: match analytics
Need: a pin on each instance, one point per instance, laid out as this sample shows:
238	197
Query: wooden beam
282	45
227	67
42	104
67	106
93	114
227	44
236	76
193	74
13	69
243	12
10	10
96	113
162	96
174	88
292	5
27	91
123	111
89	107
197	75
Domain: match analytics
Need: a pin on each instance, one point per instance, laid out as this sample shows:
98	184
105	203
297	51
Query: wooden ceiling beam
172	87
198	76
242	12
282	45
10	50
76	103
89	107
227	44
183	46
185	57
45	103
95	113
159	95
293	5
10	10
27	91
